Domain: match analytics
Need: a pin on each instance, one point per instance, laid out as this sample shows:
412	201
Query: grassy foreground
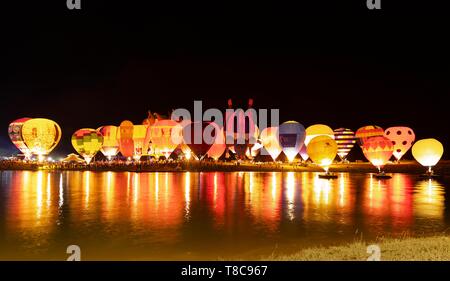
435	248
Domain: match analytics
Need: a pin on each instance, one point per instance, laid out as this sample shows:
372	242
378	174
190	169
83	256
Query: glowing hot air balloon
303	154
366	132
139	134
322	150
318	130
291	136
41	136
15	134
200	136
269	139
345	140
87	142
166	135
110	146
402	138
218	147
378	150
125	137
428	152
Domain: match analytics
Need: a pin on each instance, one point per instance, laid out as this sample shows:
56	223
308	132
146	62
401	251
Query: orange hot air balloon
125	137
15	134
166	135
110	146
269	140
402	138
378	150
139	138
322	150
218	147
363	133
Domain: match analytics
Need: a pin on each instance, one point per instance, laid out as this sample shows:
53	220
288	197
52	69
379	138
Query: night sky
333	63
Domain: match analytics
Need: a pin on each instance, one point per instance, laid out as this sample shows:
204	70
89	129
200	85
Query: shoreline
412	167
427	248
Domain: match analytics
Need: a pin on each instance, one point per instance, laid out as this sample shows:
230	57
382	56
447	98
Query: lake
208	216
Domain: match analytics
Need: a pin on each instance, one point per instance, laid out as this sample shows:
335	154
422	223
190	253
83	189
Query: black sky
327	62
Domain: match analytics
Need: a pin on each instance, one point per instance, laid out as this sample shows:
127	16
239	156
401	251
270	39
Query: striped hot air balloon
378	150
345	140
363	133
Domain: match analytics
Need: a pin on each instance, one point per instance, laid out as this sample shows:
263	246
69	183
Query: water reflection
206	215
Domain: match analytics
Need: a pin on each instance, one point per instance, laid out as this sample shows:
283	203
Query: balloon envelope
378	150
240	131
345	140
427	152
269	139
87	142
402	138
139	134
291	136
318	130
218	147
363	133
322	150
15	134
110	146
41	135
194	136
125	137
166	135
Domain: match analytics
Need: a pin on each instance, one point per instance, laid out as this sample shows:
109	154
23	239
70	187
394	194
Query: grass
436	248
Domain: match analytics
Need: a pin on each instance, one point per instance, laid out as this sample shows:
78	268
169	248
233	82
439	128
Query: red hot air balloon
378	150
15	134
200	136
363	133
402	138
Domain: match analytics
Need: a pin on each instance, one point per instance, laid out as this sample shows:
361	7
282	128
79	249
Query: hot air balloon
218	147
125	137
166	135
41	136
303	154
200	136
139	138
87	142
241	131
110	146
15	134
318	130
269	140
402	138
322	151
345	140
378	150
428	152
366	132
291	136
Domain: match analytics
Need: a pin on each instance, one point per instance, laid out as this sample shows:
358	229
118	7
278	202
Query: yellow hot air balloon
269	139
41	136
87	142
139	134
318	130
322	150
428	152
166	135
110	146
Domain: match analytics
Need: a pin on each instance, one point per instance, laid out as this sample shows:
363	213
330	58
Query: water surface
166	216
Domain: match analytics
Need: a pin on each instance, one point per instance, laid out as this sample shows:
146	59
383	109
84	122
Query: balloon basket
328	176
382	175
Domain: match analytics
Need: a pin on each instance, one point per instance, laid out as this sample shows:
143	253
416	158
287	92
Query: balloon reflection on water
184	208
